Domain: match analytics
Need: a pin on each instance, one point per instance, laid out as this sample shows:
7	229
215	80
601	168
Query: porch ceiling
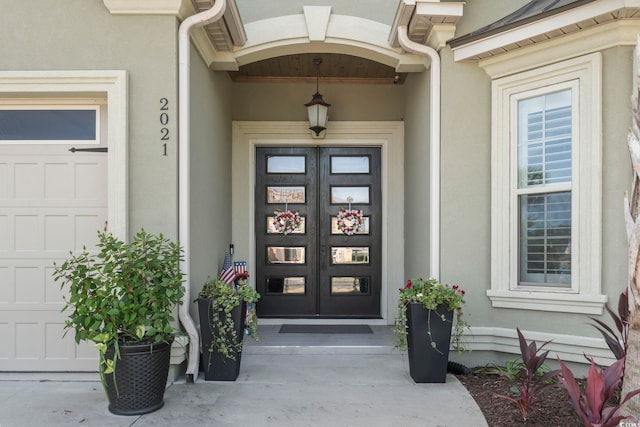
335	68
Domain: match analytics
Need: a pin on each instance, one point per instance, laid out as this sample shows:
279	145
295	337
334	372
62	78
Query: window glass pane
286	164
344	164
545	239
544	140
285	194
48	125
271	229
342	195
286	285
285	255
342	255
350	285
364	228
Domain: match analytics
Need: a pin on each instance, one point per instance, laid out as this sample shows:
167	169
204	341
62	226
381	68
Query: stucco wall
81	35
210	172
285	101
416	174
466	190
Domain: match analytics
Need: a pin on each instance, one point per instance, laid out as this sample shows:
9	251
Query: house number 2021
164	121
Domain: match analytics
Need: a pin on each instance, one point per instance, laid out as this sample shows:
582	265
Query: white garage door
51	201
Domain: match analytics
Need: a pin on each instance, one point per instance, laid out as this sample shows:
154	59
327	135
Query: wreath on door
350	220
286	221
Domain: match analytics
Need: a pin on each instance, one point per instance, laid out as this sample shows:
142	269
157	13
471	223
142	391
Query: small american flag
240	266
227	274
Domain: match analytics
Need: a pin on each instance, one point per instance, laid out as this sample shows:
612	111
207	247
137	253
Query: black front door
318	270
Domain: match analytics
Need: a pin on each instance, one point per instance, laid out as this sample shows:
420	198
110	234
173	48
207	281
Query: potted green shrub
223	316
122	298
423	325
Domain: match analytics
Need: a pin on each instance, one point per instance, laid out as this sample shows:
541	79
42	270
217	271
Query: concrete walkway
302	388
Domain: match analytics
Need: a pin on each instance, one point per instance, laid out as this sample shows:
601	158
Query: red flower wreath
349	221
286	222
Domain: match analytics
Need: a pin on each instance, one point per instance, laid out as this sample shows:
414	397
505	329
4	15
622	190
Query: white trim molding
569	348
595	39
543	31
113	84
143	7
389	136
585	292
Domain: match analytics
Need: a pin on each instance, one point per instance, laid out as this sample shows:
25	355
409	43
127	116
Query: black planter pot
428	364
138	382
216	367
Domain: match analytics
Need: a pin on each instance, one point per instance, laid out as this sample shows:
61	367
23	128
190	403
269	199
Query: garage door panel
86	177
6	288
29	285
58	233
40	344
49	232
28	231
51	202
4	233
58	181
4	181
50	178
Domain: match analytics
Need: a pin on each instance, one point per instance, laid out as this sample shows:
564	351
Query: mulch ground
551	408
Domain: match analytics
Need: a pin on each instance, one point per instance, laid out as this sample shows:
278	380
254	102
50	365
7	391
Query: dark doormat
325	329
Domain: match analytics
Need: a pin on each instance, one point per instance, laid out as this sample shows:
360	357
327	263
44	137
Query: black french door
317	270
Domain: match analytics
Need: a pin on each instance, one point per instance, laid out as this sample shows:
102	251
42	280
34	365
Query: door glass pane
344	164
271	229
48	125
285	255
364	228
342	195
286	285
350	285
281	194
342	255
286	164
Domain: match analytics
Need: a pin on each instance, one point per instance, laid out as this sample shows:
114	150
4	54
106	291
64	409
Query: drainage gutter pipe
184	172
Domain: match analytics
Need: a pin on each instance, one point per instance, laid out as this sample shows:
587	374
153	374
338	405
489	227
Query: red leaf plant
532	381
590	405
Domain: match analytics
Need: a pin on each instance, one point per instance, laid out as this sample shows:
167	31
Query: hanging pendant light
317	108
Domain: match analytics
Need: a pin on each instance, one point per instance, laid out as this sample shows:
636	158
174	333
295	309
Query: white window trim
585	294
76	84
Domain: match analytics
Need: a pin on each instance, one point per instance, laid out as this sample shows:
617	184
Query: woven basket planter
138	383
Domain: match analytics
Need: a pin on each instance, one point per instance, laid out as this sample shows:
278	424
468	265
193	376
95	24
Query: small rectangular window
349	164
25	123
282	194
286	285
286	164
349	255
344	195
285	255
350	285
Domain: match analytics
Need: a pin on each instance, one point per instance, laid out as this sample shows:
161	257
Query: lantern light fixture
317	108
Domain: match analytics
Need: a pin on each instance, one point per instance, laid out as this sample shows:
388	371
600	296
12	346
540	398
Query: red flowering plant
432	294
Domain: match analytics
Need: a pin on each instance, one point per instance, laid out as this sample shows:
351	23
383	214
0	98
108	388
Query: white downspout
184	172
434	146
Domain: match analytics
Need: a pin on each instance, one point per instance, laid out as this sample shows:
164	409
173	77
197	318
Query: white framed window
49	121
546	188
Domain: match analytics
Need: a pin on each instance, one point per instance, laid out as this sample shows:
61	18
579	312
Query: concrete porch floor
285	380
